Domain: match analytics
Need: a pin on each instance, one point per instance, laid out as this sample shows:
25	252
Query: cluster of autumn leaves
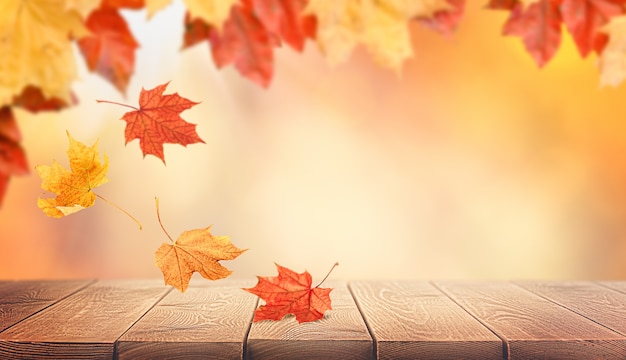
38	66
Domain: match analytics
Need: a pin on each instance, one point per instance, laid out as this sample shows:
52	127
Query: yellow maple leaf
612	60
213	12
73	188
195	251
35	47
380	25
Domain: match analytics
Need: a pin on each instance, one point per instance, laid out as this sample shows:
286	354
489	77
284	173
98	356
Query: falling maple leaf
194	251
110	48
380	25
12	156
291	293
243	41
74	189
612	61
157	121
36	47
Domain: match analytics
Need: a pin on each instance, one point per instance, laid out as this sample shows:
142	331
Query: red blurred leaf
12	156
157	121
129	4
446	22
32	99
583	19
502	4
243	41
285	19
196	31
110	49
290	293
539	26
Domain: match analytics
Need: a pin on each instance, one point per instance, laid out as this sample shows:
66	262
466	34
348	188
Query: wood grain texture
205	322
411	320
20	299
84	325
341	334
533	327
603	305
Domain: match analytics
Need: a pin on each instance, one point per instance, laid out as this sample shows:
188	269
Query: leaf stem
156	200
329	271
116	103
120	209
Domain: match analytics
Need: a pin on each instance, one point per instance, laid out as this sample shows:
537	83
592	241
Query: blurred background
473	163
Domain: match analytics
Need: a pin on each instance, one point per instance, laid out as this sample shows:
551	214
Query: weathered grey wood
533	327
413	319
20	299
84	325
603	305
615	285
205	322
341	334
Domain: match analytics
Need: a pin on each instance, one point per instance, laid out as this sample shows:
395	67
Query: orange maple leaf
194	251
157	121
291	293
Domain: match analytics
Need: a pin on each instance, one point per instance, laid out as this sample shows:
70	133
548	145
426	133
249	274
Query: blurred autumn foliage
38	66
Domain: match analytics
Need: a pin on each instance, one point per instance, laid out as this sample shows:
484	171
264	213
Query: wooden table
143	319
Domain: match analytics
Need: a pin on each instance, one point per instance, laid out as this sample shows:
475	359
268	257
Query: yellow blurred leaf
195	251
73	188
213	12
35	47
612	60
380	25
154	6
83	7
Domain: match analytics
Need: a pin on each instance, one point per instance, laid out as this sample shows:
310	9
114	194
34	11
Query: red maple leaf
290	293
12	156
110	49
285	19
33	100
584	18
157	121
447	21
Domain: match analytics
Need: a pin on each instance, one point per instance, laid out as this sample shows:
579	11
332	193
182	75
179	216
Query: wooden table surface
143	319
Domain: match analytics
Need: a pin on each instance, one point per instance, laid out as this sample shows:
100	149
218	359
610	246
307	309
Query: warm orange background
472	164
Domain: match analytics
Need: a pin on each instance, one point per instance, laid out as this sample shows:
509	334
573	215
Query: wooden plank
411	320
85	324
533	327
341	334
615	285
205	322
603	305
20	299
